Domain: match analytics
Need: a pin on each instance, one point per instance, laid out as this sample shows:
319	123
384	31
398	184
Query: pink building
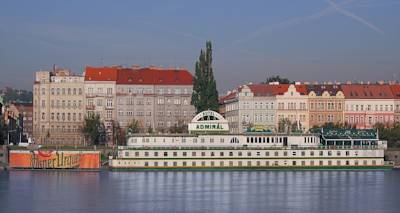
396	94
367	105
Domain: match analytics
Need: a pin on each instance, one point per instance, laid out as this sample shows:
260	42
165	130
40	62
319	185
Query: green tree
389	133
181	127
205	94
94	129
133	127
19	96
119	135
284	125
277	78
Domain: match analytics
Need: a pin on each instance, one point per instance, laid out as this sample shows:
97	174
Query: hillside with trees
16	95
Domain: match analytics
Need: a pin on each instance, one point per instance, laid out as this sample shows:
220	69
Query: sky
303	40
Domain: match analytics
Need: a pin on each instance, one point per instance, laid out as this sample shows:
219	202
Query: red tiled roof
226	97
273	90
374	91
154	76
139	76
395	90
101	73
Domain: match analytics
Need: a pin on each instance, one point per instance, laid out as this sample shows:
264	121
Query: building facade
26	110
367	105
58	107
325	104
157	98
292	103
251	106
101	94
396	95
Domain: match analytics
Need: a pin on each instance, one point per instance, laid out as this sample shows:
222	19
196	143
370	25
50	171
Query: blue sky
305	40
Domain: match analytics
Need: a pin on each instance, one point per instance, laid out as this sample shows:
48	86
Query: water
258	191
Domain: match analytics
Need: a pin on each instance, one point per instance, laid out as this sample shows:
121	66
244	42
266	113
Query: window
109	91
109	102
109	114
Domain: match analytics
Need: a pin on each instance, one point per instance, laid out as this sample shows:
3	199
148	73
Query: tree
391	134
277	78
284	125
296	127
181	127
133	127
19	96
119	135
94	129
205	94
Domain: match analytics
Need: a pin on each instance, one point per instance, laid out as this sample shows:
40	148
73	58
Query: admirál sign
208	121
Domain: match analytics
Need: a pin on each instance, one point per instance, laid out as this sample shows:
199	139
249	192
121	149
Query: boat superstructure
209	146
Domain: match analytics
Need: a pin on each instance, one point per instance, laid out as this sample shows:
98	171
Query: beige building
326	103
100	94
58	107
292	102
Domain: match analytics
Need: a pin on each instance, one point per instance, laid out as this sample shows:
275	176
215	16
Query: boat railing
247	148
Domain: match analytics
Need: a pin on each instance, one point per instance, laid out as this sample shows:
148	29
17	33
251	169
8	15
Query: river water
229	191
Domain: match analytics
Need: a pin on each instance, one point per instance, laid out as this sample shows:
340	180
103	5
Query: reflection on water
258	191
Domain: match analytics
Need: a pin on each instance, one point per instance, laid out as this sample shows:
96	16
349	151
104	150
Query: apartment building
58	107
396	95
292	104
366	105
157	97
101	95
25	111
326	104
251	106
